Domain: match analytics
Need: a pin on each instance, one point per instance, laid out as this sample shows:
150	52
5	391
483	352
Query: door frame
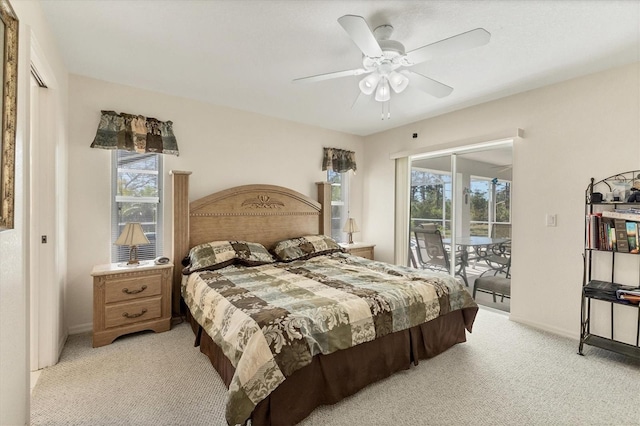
46	208
403	180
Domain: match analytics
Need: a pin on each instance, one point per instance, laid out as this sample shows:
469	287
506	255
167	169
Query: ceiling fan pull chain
388	104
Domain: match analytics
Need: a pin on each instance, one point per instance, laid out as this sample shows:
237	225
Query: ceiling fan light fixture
369	83
384	60
398	81
383	93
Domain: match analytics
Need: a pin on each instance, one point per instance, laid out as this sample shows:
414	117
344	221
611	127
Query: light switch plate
551	219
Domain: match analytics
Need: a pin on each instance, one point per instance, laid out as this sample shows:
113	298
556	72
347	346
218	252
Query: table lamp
350	227
132	235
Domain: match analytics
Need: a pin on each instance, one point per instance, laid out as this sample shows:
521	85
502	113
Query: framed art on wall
8	94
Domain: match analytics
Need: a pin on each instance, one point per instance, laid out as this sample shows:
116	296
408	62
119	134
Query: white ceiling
244	54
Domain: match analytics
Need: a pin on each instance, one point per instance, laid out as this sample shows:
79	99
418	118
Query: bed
375	319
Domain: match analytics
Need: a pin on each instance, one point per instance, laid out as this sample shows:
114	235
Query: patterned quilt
270	320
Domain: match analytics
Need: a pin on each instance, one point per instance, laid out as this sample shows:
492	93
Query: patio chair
501	230
431	253
498	257
495	284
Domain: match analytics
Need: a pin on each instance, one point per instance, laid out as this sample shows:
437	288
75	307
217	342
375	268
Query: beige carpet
506	374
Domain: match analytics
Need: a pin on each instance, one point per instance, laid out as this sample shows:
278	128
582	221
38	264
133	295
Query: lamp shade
132	235
398	81
351	226
369	83
382	92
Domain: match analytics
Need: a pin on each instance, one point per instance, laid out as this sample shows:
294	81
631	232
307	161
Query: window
490	203
502	201
339	203
136	197
479	206
431	198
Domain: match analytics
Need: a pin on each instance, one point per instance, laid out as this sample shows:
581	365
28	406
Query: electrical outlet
551	219
44	239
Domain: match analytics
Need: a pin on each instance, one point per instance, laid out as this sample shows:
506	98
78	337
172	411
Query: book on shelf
612	234
632	237
605	290
620	232
593	230
626	214
630	295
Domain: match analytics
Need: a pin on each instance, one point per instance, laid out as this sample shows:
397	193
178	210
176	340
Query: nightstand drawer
359	249
133	288
366	252
132	312
130	299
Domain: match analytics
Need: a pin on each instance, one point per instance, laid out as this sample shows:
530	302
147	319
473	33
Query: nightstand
359	249
127	299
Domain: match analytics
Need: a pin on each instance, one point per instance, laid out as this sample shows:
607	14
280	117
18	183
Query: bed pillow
211	256
251	254
305	247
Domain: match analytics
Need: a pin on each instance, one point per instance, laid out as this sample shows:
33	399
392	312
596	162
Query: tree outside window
136	198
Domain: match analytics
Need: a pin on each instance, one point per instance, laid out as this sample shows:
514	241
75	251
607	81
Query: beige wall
582	128
223	147
571	132
14	293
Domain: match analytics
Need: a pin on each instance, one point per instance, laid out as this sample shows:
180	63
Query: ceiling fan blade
457	43
361	35
330	75
430	86
361	100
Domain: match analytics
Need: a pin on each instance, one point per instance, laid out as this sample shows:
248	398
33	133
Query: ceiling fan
385	60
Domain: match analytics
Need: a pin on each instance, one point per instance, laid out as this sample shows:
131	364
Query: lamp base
350	235
133	256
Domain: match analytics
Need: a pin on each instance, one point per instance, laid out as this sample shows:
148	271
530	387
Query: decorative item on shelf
634	196
620	188
350	227
596	197
132	235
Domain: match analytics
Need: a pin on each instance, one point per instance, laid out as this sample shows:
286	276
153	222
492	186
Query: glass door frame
455	186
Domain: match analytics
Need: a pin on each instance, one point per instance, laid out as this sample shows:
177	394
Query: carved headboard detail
259	213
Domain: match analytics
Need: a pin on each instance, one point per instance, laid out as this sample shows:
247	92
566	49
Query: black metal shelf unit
615	195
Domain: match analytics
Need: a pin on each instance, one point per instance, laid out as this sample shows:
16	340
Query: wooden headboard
259	213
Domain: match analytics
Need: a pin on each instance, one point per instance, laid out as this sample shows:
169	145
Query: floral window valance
135	133
339	160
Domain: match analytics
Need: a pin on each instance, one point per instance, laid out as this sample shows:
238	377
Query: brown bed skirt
331	378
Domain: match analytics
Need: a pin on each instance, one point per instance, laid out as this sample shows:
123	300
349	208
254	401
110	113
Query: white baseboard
61	342
494	310
80	328
545	327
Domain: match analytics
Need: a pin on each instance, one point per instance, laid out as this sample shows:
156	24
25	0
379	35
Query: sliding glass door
465	196
431	209
431	188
